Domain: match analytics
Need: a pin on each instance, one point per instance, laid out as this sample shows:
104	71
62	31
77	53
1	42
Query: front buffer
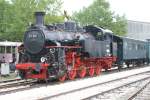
33	70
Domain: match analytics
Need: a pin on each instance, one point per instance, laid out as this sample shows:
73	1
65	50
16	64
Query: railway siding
54	90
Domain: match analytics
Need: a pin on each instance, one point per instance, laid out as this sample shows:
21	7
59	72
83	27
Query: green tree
99	14
20	13
4	19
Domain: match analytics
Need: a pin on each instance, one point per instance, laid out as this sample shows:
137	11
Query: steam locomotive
66	51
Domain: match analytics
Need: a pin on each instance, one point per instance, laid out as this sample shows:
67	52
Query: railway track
76	88
10	80
11	83
88	88
100	88
126	91
15	86
143	93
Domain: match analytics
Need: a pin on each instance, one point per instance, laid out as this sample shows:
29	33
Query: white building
138	30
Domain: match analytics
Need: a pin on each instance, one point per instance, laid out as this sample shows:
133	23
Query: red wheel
63	78
91	71
72	74
82	72
98	70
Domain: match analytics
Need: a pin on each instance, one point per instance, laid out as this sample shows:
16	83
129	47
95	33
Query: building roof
9	43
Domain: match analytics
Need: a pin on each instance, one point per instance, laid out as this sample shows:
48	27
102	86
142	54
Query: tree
99	14
4	19
20	13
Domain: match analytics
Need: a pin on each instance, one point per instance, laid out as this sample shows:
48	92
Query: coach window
99	36
142	47
13	49
136	47
133	46
129	46
2	49
8	49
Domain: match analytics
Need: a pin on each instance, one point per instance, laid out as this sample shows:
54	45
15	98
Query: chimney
39	18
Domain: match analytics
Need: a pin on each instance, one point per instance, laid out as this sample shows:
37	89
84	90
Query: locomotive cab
102	41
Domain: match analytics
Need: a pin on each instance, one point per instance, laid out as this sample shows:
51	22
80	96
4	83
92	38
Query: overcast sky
75	5
138	10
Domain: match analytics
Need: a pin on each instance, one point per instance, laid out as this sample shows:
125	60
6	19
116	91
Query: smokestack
39	18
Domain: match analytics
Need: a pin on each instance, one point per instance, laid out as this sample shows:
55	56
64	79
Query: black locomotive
67	50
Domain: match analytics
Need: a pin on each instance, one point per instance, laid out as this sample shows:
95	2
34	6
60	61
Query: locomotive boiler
64	50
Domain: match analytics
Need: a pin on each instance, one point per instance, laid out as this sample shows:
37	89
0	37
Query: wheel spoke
72	74
62	78
91	71
82	72
98	70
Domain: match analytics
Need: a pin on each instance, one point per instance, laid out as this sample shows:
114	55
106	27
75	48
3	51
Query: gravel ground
51	90
8	77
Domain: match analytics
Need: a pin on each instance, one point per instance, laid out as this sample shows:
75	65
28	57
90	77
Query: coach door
114	49
117	49
120	51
